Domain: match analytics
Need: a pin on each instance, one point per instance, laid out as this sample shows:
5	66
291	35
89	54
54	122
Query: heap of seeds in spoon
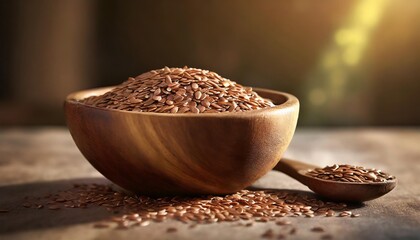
180	90
349	173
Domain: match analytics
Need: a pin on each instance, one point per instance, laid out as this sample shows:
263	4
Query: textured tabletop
35	162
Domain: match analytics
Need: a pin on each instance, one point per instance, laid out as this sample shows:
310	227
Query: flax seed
144	223
101	225
326	237
171	230
53	207
268	234
349	173
317	229
155	90
245	205
281	236
27	205
282	223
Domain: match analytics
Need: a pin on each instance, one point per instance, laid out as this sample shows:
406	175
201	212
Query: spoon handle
292	168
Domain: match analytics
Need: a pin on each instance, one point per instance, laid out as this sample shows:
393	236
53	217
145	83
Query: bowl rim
288	105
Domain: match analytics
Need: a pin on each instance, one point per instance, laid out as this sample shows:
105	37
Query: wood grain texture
37	161
161	154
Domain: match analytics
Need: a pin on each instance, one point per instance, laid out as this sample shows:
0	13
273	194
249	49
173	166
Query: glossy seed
154	91
317	229
245	205
349	173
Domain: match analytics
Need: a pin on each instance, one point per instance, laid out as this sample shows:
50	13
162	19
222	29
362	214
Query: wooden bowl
168	154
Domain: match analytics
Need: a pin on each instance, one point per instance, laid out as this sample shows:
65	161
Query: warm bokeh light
337	70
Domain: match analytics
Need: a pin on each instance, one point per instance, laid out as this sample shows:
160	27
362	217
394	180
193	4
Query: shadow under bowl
167	154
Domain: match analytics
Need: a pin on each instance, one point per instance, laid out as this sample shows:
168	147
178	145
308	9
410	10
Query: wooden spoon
337	191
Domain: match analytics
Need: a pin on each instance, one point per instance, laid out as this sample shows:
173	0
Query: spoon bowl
334	190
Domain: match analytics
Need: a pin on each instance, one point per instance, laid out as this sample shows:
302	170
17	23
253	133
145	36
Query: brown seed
168	79
27	205
134	100
197	95
192	226
343	214
348	173
183	109
157	98
281	236
144	223
101	225
133	216
181	92
263	219
201	108
194	86
174	110
317	229
154	91
281	223
53	207
268	234
194	109
171	230
263	206
326	237
123	225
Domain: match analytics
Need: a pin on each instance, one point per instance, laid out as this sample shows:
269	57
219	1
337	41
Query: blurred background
351	63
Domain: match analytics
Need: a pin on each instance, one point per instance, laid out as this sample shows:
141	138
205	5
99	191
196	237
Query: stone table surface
37	161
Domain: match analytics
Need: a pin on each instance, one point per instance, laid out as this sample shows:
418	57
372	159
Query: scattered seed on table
123	225
268	234
326	237
53	207
330	213
345	214
281	223
171	230
145	223
193	226
281	236
101	225
317	229
27	205
245	205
